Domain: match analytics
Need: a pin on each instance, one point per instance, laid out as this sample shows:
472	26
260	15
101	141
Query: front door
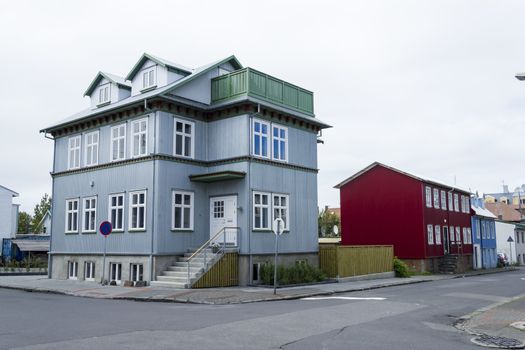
223	213
446	245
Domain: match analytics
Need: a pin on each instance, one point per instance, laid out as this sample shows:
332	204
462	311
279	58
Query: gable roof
412	175
13	193
111	77
160	61
508	212
479	211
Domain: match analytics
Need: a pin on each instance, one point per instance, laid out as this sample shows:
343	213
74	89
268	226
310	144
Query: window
223	71
456	202
103	94
465	238
469	236
428	194
73	161
89	271
136	272
182	211
436	198
139	136
478	227
116	211
148	78
118	142
71	215
458	235
72	270
115	272
137	210
450	206
452	236
437	230
443	200
484	229
184	138
280	209
256	272
91	148
90	214
430	234
467	205
280	143
260	138
218	209
261	208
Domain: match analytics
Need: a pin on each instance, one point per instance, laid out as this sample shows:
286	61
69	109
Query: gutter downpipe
250	198
153	194
49	256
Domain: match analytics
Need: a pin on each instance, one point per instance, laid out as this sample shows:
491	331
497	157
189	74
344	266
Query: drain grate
498	342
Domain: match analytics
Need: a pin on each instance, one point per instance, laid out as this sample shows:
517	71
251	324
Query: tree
326	222
40	211
24	220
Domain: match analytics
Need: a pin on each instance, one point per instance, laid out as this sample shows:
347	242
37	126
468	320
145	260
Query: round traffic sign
105	228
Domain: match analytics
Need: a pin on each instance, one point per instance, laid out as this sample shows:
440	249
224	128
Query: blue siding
484	235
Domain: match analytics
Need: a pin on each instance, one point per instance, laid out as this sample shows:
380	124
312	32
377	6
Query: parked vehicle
503	260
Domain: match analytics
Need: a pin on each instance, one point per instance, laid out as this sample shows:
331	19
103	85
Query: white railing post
188	272
205	255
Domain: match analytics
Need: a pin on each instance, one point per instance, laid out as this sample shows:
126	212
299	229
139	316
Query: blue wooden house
189	166
483	236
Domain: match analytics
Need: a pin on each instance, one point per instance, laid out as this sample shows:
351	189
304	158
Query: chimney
505	188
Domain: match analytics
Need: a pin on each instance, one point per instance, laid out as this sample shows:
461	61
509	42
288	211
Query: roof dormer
151	72
107	88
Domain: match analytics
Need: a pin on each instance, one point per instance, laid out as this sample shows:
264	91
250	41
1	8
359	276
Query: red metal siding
384	207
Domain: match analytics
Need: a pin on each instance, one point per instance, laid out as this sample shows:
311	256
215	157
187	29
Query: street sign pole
510	240
105	229
104	260
278	225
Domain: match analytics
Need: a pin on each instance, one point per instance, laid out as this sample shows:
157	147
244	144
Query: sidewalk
232	295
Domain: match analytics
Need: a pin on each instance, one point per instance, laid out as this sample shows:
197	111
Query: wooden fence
225	273
345	261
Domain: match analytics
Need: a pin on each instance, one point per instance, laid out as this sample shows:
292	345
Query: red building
427	222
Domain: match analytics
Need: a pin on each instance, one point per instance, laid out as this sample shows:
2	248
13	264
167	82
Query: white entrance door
477	257
223	213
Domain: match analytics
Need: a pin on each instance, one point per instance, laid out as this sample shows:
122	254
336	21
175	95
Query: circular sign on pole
278	226
335	230
105	228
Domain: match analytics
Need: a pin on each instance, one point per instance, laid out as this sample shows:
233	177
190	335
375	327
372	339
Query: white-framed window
463	204
467	205
184	139
182	210
469	235
428	196
103	94
465	237
443	200
91	148
73	160
115	272
139	137
437	231
148	78
430	234
261	144
456	202
280	209
450	203
483	229
89	270
71	215
436	198
261	211
493	230
279	143
458	235
118	142
137	210
89	223
136	272
452	235
72	270
116	211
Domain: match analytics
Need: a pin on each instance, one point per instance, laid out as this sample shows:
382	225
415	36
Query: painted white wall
503	232
6	214
14	219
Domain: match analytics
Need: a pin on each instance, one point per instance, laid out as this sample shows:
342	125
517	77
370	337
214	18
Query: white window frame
437	231
72	270
436	198
137	206
118	272
467	204
458	235
89	270
138	275
262	206
452	234
91	148
469	235
73	212
443	200
261	136
140	134
280	207
73	152
456	202
430	234
184	136
465	237
104	93
91	211
116	208
183	208
118	142
279	140
149	77
450	202
428	196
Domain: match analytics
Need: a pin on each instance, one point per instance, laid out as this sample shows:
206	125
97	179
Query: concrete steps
448	264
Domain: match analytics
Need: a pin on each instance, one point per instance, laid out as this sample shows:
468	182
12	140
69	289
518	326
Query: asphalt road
418	316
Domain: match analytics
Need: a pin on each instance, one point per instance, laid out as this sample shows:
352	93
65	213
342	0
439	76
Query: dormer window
148	78
103	94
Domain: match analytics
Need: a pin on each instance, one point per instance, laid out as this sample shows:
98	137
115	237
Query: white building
8	214
503	232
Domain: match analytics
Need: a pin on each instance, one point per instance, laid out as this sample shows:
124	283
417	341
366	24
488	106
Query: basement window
136	272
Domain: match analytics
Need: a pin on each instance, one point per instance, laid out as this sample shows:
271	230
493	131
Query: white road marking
523	279
344	298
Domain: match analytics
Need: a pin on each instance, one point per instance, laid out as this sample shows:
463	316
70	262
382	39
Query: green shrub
401	268
295	274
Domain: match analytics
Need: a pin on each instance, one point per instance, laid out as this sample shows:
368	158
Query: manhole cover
497	342
518	325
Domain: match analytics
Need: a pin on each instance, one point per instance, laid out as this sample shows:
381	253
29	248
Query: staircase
448	264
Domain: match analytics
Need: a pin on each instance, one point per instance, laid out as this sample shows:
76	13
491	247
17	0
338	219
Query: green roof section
250	82
218	176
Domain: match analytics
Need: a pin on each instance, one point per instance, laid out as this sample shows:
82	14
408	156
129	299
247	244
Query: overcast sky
426	86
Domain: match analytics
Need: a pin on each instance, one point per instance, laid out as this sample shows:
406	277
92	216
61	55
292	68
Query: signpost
277	227
510	240
105	229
